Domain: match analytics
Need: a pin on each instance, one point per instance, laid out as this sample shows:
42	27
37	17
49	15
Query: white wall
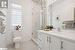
27	20
36	17
63	9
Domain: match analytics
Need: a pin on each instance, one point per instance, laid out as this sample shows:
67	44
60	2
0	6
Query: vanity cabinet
47	42
50	42
67	45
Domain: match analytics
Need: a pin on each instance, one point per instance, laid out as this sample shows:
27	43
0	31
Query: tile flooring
29	45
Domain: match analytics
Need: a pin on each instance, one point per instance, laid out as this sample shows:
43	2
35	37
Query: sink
68	32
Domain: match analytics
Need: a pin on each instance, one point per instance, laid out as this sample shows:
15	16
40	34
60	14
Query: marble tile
29	45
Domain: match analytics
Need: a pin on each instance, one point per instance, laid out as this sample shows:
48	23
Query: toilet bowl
17	41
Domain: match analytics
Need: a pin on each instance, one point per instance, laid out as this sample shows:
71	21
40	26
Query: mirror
46	14
64	10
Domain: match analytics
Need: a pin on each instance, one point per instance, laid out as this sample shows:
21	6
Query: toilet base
17	41
17	45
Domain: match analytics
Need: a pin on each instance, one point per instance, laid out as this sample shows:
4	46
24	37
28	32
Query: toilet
17	42
17	39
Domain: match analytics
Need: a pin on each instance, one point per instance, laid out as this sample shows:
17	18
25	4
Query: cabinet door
55	43
40	40
46	42
67	45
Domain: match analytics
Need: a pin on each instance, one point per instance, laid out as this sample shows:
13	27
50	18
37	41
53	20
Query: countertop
64	34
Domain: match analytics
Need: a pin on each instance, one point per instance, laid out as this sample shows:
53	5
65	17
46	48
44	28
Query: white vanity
54	40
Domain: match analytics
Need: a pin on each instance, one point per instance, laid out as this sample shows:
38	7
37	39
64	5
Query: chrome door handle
49	39
61	44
